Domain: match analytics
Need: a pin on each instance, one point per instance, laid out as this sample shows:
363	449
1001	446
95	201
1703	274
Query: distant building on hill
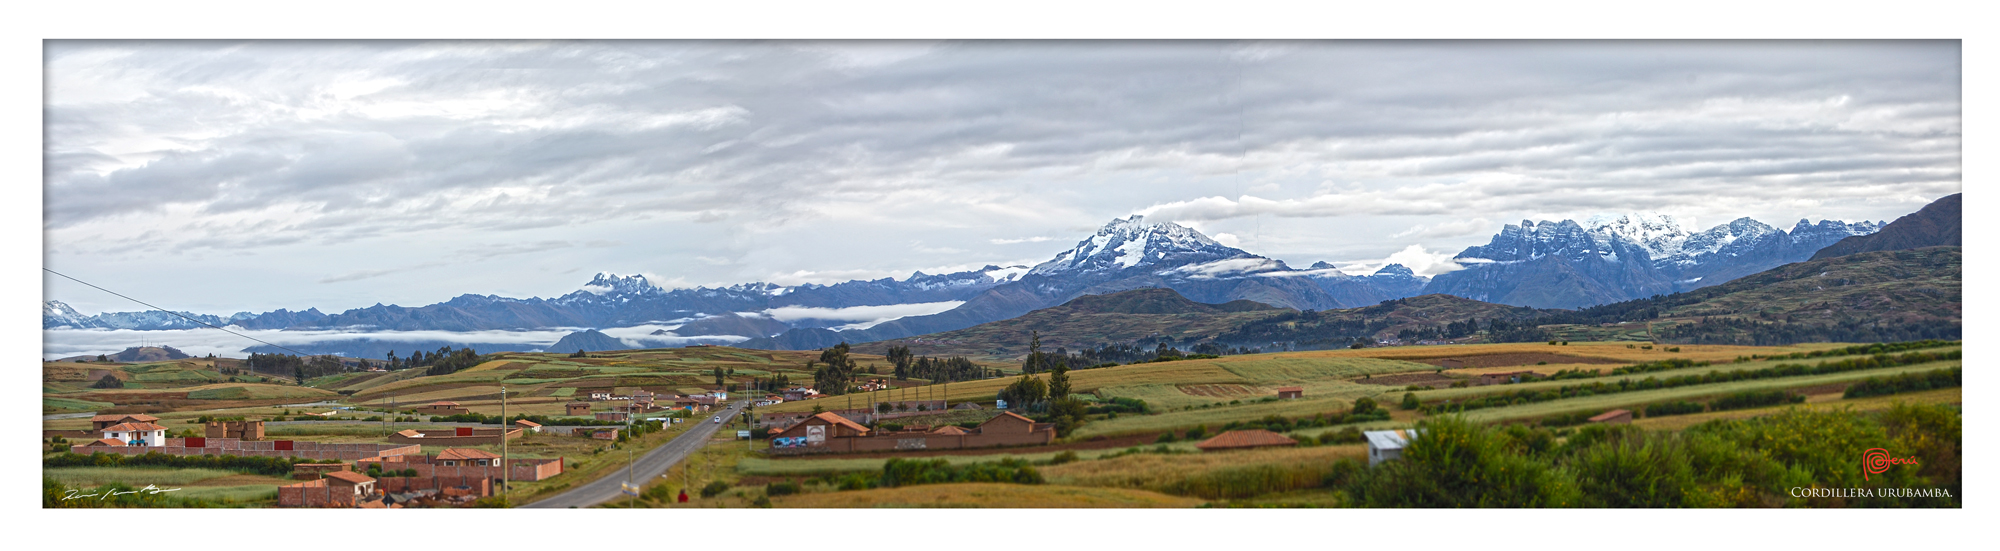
1614	417
1385	445
1291	392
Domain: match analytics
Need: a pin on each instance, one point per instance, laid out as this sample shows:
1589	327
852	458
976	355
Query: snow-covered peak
56	308
1131	242
1396	270
1659	234
610	283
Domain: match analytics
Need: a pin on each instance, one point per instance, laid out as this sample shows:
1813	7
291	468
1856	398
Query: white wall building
137	434
1384	445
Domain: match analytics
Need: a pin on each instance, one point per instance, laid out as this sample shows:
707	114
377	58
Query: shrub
1068	457
1167	436
1364	406
1410	401
1752	398
763	502
1906	382
1349	435
1197	432
783	488
1457	463
108	382
715	488
1674	408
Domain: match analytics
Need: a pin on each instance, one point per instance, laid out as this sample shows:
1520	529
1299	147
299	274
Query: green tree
1059	381
108	382
718	376
836	374
1364	405
1036	362
1067	413
1410	401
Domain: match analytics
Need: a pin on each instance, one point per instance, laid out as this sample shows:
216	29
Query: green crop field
51	404
243	391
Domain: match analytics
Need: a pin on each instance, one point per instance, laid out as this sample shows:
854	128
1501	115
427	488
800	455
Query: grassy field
52	404
1627	400
1872	403
986	495
246	391
1208	475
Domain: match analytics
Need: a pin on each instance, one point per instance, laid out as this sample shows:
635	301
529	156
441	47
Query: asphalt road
653	464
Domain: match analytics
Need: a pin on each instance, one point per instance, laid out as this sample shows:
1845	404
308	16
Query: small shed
1291	392
1384	445
530	426
1241	439
613	416
1616	416
576	408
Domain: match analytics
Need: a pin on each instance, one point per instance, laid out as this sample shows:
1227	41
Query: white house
137	434
1384	445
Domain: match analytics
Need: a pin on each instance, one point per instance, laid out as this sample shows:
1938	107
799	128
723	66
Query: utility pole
506	471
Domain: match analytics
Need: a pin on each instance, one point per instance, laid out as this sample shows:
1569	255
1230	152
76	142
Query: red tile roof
526	423
409	433
140	417
444	403
951	429
132	427
831	418
350	477
467	453
1009	414
105	442
1291	389
1251	438
1609	414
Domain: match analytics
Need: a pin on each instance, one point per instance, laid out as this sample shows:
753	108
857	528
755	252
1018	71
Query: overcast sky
222	176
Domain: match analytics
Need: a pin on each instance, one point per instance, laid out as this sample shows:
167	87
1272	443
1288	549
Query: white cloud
1036	239
861	313
1454	228
1415	257
1227	239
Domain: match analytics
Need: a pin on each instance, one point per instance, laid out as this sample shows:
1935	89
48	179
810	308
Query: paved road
653	464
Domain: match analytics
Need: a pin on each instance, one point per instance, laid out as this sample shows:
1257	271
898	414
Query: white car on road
718	420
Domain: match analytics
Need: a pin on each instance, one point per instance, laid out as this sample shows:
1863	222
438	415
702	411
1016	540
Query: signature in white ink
148	490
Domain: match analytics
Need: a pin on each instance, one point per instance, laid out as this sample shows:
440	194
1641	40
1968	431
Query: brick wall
316	493
917	440
523	469
231	446
450	437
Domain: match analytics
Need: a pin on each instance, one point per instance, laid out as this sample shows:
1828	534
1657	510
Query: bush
904	472
716	488
1906	382
1674	408
1410	401
108	382
1349	435
1066	457
1752	398
1166	437
782	488
763	502
1456	463
1364	406
1197	432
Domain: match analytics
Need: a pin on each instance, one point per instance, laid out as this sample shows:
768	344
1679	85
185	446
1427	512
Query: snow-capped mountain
1612	258
56	314
1131	242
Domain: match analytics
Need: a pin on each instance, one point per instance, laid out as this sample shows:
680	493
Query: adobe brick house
600	433
576	408
337	489
316	471
467	457
99	422
613	416
1614	417
240	430
830	433
1291	392
458	467
441	407
1245	439
137	434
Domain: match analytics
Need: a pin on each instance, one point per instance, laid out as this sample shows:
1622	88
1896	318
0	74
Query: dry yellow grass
1212	475
987	495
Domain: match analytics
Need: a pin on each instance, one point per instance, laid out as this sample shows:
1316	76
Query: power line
175	313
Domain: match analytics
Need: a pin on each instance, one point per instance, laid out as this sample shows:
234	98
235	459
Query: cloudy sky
227	176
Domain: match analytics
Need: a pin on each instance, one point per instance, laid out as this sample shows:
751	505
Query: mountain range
1559	264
